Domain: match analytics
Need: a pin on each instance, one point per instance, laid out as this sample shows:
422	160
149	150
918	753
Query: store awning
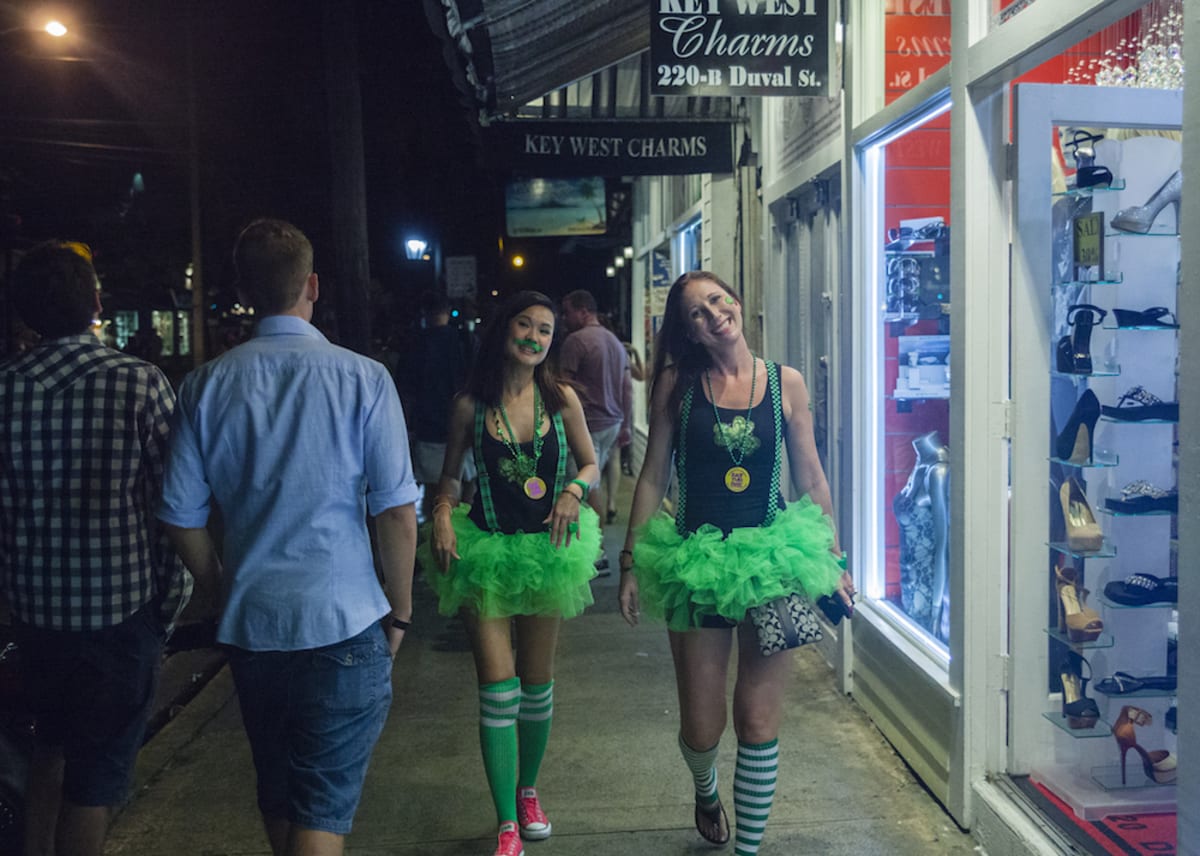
505	53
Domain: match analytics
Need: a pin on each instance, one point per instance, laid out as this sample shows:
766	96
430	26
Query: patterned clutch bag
786	622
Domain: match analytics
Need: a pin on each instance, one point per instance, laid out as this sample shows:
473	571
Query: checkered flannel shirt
83	434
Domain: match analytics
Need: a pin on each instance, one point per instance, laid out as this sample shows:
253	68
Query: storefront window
164	326
917	39
907	386
125	324
688	247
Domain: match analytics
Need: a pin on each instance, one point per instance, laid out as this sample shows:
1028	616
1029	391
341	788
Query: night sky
81	117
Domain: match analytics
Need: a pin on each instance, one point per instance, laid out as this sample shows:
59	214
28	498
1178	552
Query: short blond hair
273	260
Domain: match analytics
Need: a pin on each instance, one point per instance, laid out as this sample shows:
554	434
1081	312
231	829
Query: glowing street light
56	28
518	261
414	248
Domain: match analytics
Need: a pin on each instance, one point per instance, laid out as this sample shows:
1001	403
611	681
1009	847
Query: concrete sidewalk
612	782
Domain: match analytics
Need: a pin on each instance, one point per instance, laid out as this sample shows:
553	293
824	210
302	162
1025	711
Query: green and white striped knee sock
753	793
703	765
533	730
498	706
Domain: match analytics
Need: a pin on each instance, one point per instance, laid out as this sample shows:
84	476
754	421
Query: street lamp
55	28
414	249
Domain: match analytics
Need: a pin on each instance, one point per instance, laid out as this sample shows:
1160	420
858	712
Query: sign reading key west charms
561	147
741	47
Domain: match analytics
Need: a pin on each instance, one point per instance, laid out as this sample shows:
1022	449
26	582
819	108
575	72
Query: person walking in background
432	370
89	577
521	556
726	416
297	441
594	360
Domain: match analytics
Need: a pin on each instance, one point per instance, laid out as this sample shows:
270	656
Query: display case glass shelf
1100	729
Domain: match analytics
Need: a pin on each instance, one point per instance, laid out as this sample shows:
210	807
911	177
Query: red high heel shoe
1159	764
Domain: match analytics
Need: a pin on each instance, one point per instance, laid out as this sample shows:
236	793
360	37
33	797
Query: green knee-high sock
533	730
703	765
753	793
498	705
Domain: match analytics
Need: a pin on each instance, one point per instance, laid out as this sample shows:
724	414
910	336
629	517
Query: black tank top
515	512
704	496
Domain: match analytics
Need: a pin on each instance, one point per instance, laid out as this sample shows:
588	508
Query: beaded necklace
681	457
737	477
523	468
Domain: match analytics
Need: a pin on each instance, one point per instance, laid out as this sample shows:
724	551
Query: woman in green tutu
520	558
726	416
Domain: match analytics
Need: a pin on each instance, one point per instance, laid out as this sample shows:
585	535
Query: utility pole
349	191
199	299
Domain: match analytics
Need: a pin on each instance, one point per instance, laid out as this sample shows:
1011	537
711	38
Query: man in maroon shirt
595	361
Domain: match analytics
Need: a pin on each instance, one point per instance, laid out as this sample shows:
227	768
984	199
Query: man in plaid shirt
89	577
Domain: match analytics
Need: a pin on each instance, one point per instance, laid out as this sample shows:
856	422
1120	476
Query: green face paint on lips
528	343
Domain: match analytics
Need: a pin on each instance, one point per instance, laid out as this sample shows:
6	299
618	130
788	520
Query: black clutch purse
833	608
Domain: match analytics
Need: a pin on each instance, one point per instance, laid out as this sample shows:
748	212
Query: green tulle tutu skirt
522	574
685	580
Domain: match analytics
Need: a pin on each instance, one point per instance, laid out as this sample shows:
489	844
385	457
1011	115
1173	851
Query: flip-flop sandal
1123	683
1155	316
1142	590
713	817
1138	403
1140	497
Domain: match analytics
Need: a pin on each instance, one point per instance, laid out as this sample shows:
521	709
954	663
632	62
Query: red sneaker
509	841
534	825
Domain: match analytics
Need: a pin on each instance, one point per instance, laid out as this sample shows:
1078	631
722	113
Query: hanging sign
570	148
742	47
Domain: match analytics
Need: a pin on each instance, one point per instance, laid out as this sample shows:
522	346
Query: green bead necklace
737	477
523	468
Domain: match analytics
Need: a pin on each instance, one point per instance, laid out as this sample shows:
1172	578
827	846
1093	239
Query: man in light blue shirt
297	441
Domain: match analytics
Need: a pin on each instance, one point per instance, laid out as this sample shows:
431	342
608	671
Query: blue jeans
313	718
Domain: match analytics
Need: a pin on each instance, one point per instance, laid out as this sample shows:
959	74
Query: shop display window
906	382
917	43
125	324
164	326
1113	458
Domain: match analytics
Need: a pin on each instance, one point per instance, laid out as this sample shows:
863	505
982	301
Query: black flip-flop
1155	316
1123	683
1142	590
712	816
1138	404
1141	497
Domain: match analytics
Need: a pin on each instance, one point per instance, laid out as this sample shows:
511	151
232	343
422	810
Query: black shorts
91	694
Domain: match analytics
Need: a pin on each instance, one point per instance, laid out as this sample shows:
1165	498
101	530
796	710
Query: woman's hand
846	592
564	518
628	598
444	543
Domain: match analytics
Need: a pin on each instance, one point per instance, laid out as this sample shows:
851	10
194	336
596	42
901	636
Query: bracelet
571	494
400	623
442	503
628	553
583	486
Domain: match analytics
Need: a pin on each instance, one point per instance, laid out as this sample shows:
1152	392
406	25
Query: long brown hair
486	382
674	347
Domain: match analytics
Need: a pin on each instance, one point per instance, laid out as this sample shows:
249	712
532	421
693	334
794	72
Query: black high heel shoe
1074	351
1076	443
1087	174
1077	709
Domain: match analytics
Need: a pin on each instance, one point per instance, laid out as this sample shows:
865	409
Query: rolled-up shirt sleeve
386	456
186	493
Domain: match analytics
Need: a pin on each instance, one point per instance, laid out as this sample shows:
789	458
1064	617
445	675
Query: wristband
400	623
583	486
841	560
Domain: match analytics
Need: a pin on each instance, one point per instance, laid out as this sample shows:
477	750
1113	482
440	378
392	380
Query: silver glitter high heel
1140	218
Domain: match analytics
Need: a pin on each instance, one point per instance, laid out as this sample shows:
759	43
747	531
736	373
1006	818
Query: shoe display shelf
1082	774
1076	192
